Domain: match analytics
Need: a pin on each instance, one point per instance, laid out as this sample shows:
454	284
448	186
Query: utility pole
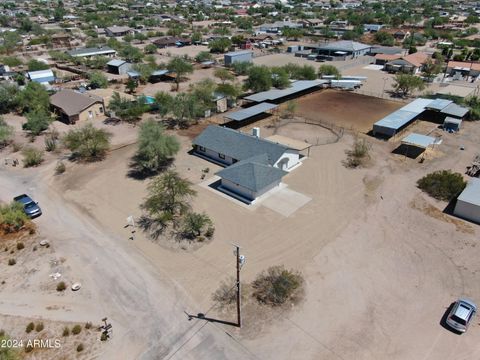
240	262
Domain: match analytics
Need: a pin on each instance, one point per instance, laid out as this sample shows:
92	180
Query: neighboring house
41	76
372	27
401	35
412	63
72	106
468	202
237	56
167	41
345	48
382	59
461	68
253	165
119	67
92	52
114	31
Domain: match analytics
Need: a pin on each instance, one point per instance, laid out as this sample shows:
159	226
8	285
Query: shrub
442	185
60	168
276	286
66	331
80	348
28	348
12	218
16	147
88	143
32	157
77	329
210	231
61	286
2	333
20	246
88	325
50	142
194	224
39	327
12	262
103	337
30	328
358	154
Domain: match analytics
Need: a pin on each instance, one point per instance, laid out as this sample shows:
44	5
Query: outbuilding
41	76
468	202
237	57
119	67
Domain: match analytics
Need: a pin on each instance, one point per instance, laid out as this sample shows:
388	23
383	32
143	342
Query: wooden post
239	315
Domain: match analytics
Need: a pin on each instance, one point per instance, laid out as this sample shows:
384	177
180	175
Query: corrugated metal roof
116	62
455	110
91	51
41	74
417	105
251	111
422	141
237	53
296	86
160	72
439	104
404	115
471	194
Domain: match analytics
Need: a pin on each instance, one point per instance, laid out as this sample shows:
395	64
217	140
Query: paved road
145	307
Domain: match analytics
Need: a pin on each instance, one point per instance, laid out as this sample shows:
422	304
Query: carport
415	144
247	115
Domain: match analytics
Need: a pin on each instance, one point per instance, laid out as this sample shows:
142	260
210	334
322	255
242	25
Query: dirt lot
345	109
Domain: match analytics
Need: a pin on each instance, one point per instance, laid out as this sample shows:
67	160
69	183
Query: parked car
461	314
30	207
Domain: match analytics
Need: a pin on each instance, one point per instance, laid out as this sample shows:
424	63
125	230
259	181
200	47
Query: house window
201	148
221	156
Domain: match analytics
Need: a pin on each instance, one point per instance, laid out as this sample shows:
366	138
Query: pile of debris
474	169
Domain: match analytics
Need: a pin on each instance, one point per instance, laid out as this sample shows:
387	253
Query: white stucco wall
246	193
215	156
467	211
293	159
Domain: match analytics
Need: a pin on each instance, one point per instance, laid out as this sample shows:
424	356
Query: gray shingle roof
253	174
238	145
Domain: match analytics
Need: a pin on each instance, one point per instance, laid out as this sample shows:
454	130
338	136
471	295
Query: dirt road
145	308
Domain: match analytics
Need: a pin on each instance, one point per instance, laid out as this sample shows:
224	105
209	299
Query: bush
32	157
358	154
61	286
194	224
30	327
39	327
60	168
276	286
66	331
50	142
442	185
80	348
103	337
88	143
12	218
88	325
77	329
20	246
16	147
12	262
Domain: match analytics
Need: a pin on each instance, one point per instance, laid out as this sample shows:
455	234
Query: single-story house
119	67
253	165
344	48
463	68
92	52
41	76
167	41
72	106
382	59
114	31
468	202
412	63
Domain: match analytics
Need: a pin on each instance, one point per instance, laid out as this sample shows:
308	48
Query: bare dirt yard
344	109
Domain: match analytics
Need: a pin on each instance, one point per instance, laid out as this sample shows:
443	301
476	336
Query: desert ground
382	261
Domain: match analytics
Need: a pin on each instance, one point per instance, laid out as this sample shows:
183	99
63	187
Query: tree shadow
138	172
154	227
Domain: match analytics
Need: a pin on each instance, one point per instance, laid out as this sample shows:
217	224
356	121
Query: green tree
125	109
442	185
131	85
219	45
223	74
241	67
11	40
38	120
384	38
8	98
180	67
33	97
291	33
186	109
230	90
155	147
430	69
6	132
87	142
194	224
259	79
329	70
406	83
131	54
97	80
168	198
203	56
165	102
280	78
35	65
140	37
145	71
150	49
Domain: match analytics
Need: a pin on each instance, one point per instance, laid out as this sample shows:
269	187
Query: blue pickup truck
30	207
